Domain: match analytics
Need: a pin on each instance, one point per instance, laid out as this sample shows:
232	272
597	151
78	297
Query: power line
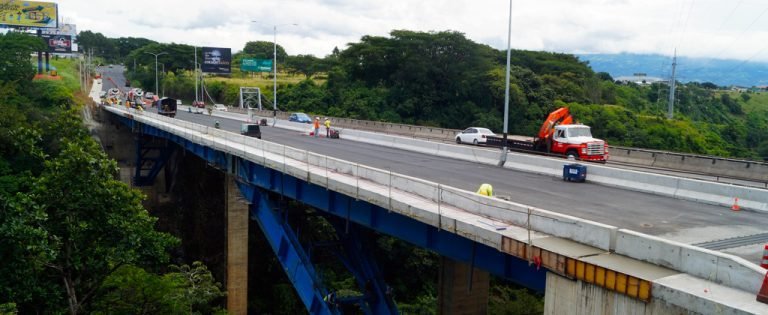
736	38
728	18
685	26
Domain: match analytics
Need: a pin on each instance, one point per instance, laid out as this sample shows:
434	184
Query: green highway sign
256	65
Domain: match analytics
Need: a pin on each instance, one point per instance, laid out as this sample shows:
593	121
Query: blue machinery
259	184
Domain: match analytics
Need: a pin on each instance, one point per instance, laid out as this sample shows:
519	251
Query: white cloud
697	28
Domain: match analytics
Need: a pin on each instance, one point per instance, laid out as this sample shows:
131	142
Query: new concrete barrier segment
717	267
374	186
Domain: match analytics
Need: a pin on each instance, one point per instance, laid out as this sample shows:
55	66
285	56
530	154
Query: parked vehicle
474	135
300	117
220	107
251	130
558	135
198	104
166	107
149	95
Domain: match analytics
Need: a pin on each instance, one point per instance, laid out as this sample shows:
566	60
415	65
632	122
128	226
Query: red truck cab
577	141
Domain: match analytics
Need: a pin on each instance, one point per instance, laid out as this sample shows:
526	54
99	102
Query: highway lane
684	221
112	77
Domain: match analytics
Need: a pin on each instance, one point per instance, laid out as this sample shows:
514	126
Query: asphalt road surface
112	78
685	221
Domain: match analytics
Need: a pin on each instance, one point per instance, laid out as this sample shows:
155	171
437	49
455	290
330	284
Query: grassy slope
263	82
67	70
758	102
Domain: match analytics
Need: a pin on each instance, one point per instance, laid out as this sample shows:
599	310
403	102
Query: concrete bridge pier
462	289
236	213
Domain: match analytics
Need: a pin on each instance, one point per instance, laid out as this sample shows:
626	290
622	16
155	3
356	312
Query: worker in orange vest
317	126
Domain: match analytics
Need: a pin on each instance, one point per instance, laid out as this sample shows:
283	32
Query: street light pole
274	77
504	148
162	64
158	54
274	65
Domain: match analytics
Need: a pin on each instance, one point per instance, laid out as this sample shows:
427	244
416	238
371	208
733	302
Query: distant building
739	88
641	79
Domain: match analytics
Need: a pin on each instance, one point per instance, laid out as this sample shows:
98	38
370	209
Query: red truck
559	135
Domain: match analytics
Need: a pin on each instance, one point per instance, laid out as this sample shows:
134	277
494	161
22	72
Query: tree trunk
74	305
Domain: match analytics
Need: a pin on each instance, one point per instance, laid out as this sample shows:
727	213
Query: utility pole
196	93
671	105
503	157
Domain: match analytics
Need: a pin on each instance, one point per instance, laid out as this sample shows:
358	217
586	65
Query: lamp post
503	157
274	65
162	64
158	54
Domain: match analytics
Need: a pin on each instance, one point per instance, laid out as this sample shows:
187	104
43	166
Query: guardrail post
439	207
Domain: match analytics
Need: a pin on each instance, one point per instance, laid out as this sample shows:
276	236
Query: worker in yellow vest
485	190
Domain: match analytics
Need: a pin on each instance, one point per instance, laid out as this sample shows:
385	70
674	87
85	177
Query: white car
474	135
220	107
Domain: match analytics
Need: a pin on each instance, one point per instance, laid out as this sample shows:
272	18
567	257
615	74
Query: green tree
262	49
133	290
307	65
94	223
97	43
507	300
15	49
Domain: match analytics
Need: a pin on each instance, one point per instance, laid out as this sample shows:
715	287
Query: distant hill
723	72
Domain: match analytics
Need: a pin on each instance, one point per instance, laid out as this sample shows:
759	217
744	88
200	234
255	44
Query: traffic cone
764	262
735	206
762	296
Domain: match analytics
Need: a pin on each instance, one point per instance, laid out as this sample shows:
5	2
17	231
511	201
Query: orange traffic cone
762	296
735	206
764	262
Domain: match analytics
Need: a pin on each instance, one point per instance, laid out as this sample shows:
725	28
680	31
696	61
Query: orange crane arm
560	116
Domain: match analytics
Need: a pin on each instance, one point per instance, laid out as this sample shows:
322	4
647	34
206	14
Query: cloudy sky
735	29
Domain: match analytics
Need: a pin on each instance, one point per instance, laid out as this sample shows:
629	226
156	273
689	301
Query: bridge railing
462	212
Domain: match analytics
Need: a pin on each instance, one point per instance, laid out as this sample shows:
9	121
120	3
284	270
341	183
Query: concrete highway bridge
621	243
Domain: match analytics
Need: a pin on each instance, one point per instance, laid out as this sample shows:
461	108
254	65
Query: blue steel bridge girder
285	244
152	154
363	266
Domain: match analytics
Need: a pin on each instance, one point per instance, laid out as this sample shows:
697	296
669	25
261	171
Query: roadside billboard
256	65
216	60
35	14
58	43
62	29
